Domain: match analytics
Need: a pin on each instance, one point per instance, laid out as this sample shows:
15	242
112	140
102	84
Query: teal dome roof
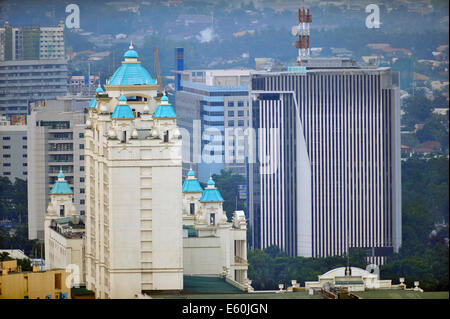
99	89
122	112
191	184
61	186
164	111
122	98
130	54
131	72
211	193
93	103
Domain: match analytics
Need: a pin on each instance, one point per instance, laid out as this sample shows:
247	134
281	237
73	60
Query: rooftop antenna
302	30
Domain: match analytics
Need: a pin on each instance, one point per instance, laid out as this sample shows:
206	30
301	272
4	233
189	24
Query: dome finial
131	45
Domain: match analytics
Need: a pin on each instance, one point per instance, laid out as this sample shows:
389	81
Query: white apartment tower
133	187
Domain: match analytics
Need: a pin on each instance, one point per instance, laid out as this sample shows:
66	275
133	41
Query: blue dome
122	98
131	72
191	173
130	54
61	175
164	110
99	89
122	112
211	182
93	103
164	98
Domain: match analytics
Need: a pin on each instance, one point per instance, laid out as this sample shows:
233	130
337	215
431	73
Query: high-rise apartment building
327	175
134	239
13	160
213	107
55	133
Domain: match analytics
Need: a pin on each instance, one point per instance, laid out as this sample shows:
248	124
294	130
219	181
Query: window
24	164
81	168
24	137
240	103
81	179
192	208
6	138
6	164
231	103
230	123
6	173
57	281
24	155
6	147
240	123
81	157
61	210
82	212
166	137
230	113
240	113
81	201
81	135
81	190
81	146
6	156
24	146
212	219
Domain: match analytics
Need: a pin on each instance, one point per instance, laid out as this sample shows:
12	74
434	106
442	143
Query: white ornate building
211	245
133	187
64	232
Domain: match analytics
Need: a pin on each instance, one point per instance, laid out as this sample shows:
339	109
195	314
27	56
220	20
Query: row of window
239	113
9	155
7	147
7	138
9	173
9	164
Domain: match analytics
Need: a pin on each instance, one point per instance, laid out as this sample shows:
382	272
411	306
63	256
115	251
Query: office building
25	81
13	160
55	133
327	175
214	110
32	43
134	239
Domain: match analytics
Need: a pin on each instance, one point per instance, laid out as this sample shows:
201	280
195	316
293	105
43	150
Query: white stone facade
133	196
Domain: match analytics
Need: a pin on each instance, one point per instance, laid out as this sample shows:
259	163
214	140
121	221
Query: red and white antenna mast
302	30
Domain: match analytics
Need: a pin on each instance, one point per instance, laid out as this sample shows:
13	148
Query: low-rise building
64	232
212	246
15	284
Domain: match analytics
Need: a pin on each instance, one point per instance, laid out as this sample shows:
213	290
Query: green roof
201	284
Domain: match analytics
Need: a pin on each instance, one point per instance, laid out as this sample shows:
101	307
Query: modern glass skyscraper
327	176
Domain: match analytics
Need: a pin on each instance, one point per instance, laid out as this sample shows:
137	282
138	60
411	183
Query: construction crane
158	70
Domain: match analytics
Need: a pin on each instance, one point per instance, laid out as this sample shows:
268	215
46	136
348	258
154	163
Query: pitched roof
122	112
192	185
61	188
